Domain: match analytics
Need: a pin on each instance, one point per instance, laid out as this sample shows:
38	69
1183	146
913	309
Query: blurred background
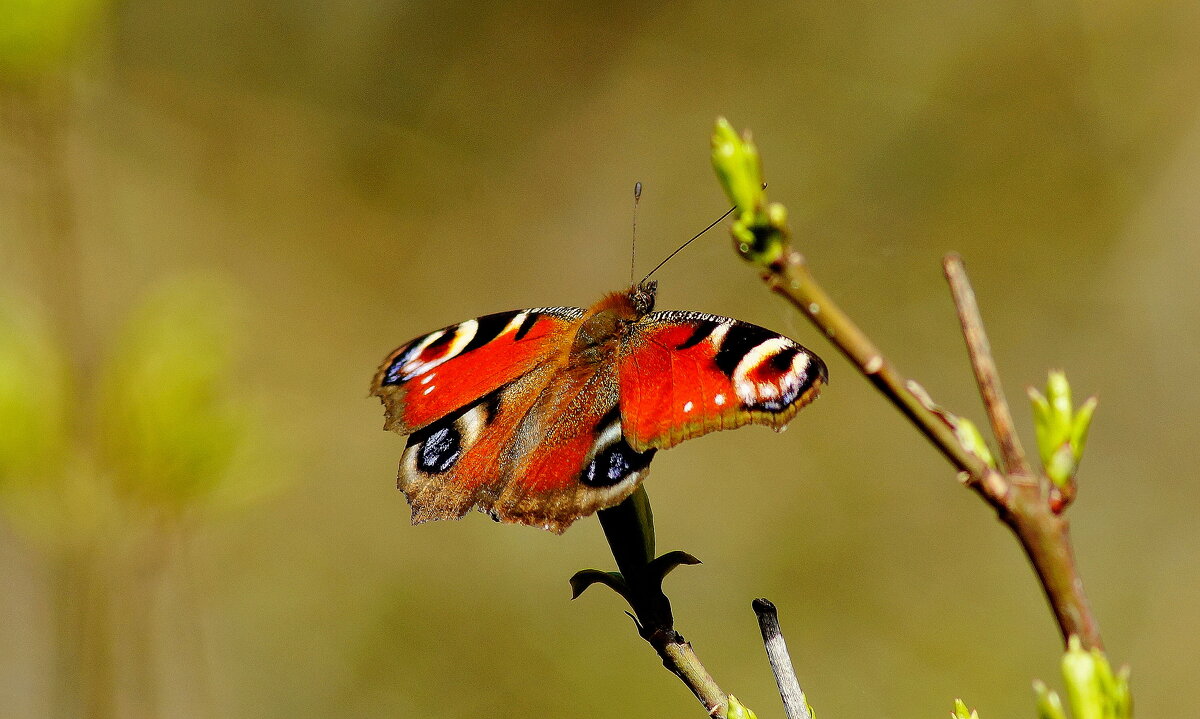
217	218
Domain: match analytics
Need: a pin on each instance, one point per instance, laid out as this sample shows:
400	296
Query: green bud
737	711
1085	685
777	214
1058	392
962	712
1061	431
1048	704
965	431
759	229
1122	699
1080	425
1093	691
738	167
971	438
743	236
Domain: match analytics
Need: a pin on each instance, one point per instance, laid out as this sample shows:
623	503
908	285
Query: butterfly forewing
683	374
443	371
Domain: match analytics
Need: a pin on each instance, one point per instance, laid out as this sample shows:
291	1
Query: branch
1025	502
790	278
794	703
1028	501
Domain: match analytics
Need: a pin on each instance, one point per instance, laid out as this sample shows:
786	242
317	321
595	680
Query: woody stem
986	375
1019	496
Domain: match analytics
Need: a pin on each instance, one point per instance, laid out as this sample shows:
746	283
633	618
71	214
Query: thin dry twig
794	703
1026	503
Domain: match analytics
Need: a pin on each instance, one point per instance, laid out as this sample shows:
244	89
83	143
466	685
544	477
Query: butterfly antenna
637	196
696	237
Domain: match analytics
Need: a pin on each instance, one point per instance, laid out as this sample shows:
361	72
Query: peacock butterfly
545	415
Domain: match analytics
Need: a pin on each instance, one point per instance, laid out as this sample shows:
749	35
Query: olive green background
332	179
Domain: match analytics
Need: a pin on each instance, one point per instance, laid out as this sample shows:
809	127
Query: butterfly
545	415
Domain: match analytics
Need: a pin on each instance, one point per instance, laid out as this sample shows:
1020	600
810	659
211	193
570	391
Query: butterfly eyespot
771	375
613	459
439	451
613	464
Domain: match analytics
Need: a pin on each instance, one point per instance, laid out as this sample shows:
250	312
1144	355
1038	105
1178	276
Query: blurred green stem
67	585
85	685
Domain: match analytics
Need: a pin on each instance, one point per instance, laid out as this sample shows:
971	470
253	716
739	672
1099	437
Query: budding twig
1024	501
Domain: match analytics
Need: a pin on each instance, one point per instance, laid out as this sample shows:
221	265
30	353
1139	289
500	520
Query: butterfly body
545	415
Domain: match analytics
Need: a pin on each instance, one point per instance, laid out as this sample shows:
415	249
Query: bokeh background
216	218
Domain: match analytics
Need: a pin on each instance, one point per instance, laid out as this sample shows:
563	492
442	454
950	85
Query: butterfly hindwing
543	450
683	374
457	461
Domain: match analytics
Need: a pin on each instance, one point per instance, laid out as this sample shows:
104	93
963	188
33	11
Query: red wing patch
683	374
444	371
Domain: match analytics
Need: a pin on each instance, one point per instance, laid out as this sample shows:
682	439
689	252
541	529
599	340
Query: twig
1025	507
790	278
986	376
794	703
680	658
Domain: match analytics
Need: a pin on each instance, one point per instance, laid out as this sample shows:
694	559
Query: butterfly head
642	295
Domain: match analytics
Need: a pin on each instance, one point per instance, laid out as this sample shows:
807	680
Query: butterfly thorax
608	320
